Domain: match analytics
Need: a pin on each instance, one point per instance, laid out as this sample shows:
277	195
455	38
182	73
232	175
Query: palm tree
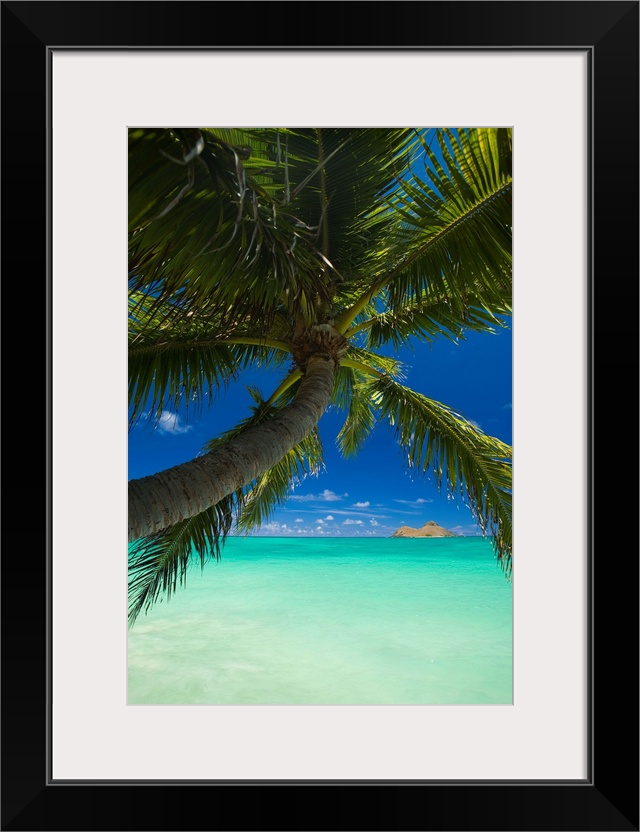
307	250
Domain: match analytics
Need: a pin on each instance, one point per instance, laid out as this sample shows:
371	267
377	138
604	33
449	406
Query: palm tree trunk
163	499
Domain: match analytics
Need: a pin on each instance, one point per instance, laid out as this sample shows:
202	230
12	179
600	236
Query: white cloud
273	528
298	520
419	502
320	522
327	496
329	517
350	522
467	530
366	504
374	522
171	423
363	512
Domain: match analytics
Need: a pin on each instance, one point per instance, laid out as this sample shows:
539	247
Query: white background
96	96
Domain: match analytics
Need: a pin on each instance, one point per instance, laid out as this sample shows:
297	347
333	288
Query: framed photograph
562	78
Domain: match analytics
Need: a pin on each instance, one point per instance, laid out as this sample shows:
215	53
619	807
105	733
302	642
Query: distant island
430	529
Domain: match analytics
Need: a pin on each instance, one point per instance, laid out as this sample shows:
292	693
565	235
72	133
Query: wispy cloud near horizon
326	496
421	501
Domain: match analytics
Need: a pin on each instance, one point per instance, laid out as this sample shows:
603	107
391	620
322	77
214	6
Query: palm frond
335	176
384	364
163	375
160	378
261	497
446	232
361	416
221	240
426	319
173	358
342	387
455	234
159	562
468	463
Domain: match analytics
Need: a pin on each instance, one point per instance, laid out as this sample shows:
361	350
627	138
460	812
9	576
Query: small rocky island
430	529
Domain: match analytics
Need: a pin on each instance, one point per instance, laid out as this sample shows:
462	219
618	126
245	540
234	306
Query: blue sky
372	494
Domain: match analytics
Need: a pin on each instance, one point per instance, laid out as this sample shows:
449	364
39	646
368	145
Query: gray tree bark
163	499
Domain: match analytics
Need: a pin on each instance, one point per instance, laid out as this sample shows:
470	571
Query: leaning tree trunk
164	499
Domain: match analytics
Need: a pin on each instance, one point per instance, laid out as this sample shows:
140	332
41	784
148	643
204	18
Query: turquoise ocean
376	621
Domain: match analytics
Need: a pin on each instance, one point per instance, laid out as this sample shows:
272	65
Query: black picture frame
608	798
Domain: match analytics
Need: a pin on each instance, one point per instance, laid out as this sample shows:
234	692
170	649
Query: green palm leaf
361	416
174	358
426	319
445	233
217	240
162	377
159	562
261	497
463	459
374	363
335	176
455	234
242	235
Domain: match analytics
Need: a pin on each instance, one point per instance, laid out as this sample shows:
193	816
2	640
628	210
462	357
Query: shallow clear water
336	621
